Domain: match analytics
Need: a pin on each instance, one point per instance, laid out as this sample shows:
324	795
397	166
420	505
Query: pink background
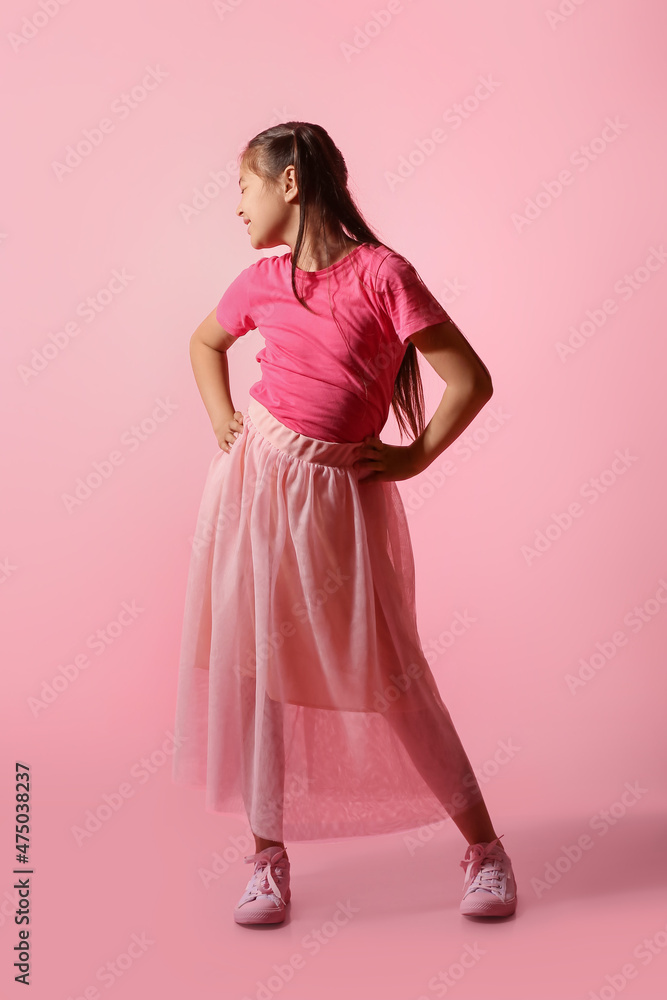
381	78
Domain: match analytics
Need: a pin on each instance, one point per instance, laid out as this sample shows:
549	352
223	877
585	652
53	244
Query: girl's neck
315	259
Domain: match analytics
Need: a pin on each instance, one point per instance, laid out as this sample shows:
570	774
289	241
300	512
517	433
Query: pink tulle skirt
304	701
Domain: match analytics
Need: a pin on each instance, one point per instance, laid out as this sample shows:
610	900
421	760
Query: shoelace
262	880
490	859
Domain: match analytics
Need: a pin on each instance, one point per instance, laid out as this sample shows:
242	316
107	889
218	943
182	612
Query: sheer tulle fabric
305	702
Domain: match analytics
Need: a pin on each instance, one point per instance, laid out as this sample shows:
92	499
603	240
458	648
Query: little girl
304	697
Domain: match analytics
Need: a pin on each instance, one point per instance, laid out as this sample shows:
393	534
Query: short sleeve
407	300
233	310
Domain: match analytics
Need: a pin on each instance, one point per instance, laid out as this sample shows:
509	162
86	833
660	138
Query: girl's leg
269	773
268	889
438	754
475	824
261	843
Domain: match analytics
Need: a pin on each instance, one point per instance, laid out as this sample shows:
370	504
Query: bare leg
269	774
436	751
475	824
261	843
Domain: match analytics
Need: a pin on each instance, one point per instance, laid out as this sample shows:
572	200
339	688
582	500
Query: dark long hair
322	180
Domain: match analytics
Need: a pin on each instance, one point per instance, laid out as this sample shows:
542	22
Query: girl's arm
469	388
208	354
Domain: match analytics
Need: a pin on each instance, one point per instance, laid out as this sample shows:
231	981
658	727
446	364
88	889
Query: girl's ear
291	186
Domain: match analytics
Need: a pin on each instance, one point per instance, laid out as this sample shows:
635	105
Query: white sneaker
268	890
489	887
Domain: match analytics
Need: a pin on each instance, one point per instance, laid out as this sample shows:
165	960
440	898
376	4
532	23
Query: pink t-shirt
311	379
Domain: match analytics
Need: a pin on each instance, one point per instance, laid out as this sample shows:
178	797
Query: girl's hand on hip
380	462
227	432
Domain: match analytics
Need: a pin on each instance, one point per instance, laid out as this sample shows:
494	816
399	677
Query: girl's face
269	212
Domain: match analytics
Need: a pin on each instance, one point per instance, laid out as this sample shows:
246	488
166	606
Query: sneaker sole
260	918
484	908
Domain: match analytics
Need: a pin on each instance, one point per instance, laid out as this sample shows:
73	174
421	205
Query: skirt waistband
300	445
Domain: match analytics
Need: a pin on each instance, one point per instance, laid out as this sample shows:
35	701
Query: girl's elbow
482	379
479	384
484	387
